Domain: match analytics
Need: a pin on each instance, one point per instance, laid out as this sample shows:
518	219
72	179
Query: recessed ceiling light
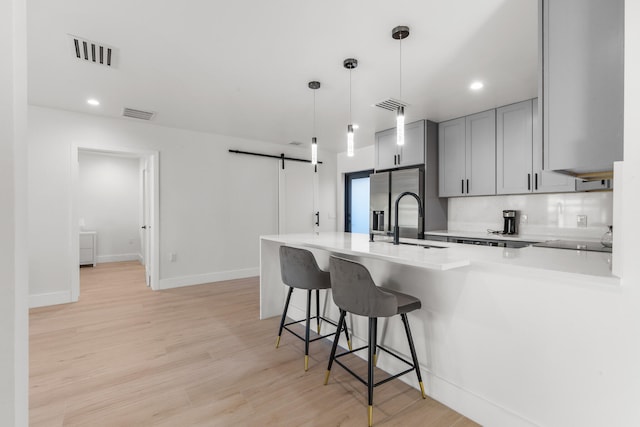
476	85
93	102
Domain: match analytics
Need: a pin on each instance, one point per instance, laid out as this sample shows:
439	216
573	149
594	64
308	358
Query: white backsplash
548	214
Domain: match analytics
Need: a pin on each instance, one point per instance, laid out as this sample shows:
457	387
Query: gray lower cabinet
467	155
390	156
519	153
582	84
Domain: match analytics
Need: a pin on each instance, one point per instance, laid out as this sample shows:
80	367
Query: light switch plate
582	221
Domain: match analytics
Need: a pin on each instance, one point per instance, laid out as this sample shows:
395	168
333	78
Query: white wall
627	234
548	214
213	204
109	203
14	353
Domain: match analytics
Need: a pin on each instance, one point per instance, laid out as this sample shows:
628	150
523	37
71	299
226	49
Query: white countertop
514	237
591	267
359	245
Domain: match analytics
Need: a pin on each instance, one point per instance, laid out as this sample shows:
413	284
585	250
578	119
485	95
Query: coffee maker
509	217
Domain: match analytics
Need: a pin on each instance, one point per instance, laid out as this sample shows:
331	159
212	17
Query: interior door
146	221
298	195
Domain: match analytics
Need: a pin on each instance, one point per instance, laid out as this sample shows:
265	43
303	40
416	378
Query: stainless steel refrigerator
385	187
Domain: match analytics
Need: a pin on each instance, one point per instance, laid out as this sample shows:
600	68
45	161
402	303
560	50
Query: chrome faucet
396	228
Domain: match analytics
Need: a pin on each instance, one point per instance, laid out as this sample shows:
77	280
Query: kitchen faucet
396	228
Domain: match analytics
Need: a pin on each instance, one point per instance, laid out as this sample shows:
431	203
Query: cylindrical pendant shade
400	126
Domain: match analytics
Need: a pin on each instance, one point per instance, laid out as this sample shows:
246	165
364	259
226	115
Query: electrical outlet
582	221
173	257
524	219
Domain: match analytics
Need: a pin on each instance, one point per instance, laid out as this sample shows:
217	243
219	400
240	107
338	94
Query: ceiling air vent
297	143
137	114
93	52
391	104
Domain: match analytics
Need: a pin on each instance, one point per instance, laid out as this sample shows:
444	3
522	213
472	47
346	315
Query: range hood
594	184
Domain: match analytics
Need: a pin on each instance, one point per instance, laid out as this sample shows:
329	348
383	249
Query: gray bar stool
355	292
300	270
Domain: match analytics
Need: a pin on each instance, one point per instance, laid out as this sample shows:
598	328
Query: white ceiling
241	67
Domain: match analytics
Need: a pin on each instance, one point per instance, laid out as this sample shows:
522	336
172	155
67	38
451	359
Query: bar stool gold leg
284	316
318	310
332	356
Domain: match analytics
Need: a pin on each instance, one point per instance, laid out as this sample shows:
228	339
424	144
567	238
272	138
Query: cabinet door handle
394	159
317	214
462	186
467	186
536	181
528	181
398	159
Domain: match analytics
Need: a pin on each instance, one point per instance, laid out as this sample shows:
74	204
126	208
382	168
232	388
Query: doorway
356	212
130	231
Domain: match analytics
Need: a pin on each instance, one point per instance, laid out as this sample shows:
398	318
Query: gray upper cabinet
582	84
390	156
519	153
514	148
481	154
467	155
386	149
545	181
452	155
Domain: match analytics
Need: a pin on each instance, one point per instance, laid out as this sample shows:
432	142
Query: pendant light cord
400	69
314	113
350	120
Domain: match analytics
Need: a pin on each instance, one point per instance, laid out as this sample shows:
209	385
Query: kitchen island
503	336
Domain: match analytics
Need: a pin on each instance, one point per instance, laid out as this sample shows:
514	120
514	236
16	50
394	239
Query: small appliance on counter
509	217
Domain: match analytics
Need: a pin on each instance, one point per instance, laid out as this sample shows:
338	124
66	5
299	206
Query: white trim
199	279
50	298
118	258
140	258
154	160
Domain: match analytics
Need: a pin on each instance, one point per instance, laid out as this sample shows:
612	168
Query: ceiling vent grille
137	114
391	104
296	143
93	52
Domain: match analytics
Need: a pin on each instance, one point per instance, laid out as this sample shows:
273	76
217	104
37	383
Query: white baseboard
117	258
140	259
49	298
466	402
199	279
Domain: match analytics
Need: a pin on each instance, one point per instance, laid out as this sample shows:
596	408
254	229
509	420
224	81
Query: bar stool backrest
354	291
299	269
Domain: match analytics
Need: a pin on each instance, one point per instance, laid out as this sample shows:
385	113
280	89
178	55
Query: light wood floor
127	356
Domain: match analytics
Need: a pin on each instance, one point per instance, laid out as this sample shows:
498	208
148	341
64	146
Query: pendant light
399	33
350	64
314	141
